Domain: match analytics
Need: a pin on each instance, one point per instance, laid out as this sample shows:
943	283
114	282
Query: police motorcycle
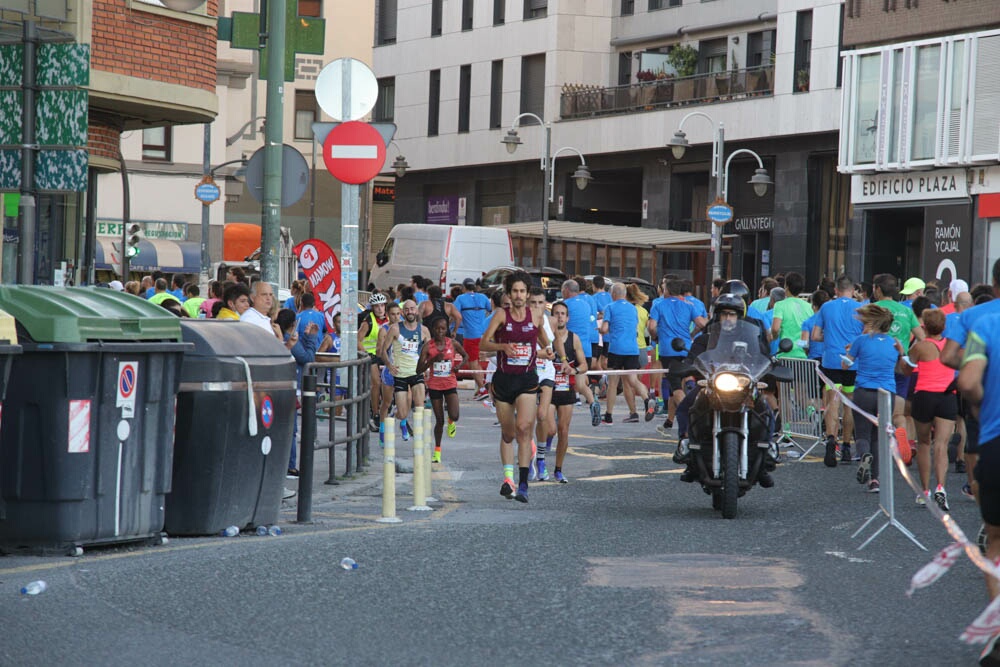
729	446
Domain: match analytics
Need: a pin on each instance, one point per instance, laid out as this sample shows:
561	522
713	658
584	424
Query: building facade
614	81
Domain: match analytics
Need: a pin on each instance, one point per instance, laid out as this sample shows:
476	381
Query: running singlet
442	373
563	381
934	375
545	367
406	351
438	311
523	336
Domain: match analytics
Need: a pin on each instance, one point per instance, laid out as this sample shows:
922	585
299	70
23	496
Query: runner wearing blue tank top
513	333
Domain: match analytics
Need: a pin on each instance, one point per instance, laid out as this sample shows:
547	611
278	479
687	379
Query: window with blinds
386	22
533	86
436	10
536	9
496	93
464	97
499	11
433	102
467	14
385	106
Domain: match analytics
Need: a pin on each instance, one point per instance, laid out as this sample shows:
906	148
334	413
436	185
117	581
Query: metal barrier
801	405
356	403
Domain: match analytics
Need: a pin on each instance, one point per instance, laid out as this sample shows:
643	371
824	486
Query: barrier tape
641	371
986	626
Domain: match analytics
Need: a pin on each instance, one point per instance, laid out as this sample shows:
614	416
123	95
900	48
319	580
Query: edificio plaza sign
908	186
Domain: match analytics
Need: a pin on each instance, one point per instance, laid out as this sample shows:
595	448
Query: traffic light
133	234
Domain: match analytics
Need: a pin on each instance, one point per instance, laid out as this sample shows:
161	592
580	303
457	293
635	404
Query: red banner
322	270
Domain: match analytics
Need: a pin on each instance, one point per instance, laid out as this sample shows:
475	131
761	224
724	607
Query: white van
447	254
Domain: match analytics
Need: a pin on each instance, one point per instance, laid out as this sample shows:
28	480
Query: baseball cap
912	285
956	287
116	285
469	282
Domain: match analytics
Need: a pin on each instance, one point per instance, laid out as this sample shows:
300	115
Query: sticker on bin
266	412
79	427
128	373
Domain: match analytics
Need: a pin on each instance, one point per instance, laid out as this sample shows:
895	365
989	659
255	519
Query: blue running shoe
560	477
595	413
543	475
522	492
404	430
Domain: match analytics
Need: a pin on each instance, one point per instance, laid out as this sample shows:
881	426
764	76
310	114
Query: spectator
192	300
303	350
296	289
133	287
151	289
261	301
160	293
419	285
177	286
215	289
235	302
475	309
174	306
145	285
237	275
116	285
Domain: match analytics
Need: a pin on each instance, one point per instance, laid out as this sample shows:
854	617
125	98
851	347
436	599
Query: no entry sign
354	152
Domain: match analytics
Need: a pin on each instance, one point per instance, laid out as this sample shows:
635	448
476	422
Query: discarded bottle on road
274	531
348	564
34	588
231	531
261	531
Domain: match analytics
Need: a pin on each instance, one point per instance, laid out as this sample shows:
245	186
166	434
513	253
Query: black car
647	287
548	278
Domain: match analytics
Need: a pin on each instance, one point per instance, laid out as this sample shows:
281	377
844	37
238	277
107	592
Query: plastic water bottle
261	531
36	587
274	531
231	531
348	564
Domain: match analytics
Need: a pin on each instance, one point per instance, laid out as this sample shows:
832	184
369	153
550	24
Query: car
548	278
648	288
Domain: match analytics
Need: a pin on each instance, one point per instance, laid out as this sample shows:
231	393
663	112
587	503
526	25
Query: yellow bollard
419	479
389	474
428	453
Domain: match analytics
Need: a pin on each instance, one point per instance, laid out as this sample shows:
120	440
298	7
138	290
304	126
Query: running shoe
531	463
543	475
607	419
864	473
967	491
941	498
662	430
561	478
668	423
873	486
293	473
507	488
631	419
522	493
436	456
649	407
922	499
595	413
452	429
404	430
960	467
480	394
830	458
372	424
845	453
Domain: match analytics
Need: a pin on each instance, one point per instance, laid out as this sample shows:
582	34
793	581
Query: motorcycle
729	443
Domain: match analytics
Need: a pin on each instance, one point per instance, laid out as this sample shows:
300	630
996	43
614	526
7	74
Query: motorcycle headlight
727	382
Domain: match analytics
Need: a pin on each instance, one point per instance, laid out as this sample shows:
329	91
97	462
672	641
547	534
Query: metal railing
584	101
356	382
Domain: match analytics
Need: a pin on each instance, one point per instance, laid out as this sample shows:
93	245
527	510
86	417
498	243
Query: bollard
419	477
428	453
303	513
389	474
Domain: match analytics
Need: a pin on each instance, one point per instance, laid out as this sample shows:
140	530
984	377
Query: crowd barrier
800	405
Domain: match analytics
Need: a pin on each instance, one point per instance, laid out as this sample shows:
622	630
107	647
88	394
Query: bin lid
86	314
224	338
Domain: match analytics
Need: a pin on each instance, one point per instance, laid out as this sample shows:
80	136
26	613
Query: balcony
586	101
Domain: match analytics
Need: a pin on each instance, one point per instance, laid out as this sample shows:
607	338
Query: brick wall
103	137
871	22
131	42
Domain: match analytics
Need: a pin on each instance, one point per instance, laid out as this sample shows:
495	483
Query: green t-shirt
192	305
160	297
903	321
792	312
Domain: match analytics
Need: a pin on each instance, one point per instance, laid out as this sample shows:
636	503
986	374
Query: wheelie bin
235	413
8	350
86	438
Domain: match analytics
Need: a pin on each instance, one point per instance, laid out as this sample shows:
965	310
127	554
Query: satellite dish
182	5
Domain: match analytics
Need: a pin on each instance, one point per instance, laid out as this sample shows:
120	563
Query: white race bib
522	354
441	369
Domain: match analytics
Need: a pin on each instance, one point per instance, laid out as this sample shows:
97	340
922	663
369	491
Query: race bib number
409	346
522	354
562	382
441	369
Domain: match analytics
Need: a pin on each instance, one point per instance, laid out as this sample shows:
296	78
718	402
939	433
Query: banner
322	270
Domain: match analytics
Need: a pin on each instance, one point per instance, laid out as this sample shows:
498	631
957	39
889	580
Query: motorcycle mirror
785	345
678	345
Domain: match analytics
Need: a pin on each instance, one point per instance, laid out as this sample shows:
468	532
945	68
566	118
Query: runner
406	338
619	328
387	383
572	361
581	324
475	308
545	426
638	299
369	325
512	334
439	356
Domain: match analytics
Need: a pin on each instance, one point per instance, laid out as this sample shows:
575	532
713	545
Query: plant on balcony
802	79
645	75
684	59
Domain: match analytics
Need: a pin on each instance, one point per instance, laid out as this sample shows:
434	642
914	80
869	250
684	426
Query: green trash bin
86	442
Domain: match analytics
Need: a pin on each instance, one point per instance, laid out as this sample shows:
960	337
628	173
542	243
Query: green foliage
684	59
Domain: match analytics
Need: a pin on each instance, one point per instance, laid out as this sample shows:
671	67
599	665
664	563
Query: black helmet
732	302
737	287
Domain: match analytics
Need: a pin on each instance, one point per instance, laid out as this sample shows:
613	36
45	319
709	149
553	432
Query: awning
633	237
154	255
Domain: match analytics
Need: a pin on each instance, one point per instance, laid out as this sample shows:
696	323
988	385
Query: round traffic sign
357	78
354	152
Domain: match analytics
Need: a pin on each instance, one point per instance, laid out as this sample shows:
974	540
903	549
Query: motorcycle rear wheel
730	474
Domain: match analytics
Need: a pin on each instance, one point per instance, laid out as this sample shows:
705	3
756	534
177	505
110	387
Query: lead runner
512	333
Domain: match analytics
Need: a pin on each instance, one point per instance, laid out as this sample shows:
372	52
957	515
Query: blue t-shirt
623	321
673	317
984	342
840	328
178	294
290	303
875	358
150	292
958	328
603	300
475	309
420	297
595	334
760	304
307	316
699	307
815	346
582	319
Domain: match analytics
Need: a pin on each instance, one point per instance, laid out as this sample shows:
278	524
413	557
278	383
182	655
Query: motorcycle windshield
735	348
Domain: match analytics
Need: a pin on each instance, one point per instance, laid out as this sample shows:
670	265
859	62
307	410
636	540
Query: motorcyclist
729	307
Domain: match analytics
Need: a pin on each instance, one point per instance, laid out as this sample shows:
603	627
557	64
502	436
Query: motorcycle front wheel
730	447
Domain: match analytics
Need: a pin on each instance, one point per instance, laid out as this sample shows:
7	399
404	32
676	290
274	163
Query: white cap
116	285
956	287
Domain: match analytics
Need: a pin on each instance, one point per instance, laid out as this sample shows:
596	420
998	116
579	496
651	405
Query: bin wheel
75	551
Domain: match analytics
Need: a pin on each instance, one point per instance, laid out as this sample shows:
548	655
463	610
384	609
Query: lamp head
582	177
182	5
400	166
760	182
511	141
678	144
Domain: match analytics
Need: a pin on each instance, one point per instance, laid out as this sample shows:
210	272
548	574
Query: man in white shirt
261	301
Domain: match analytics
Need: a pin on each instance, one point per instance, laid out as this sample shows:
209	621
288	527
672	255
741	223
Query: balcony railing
584	101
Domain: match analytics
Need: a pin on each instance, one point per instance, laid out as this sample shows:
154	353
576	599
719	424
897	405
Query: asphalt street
624	565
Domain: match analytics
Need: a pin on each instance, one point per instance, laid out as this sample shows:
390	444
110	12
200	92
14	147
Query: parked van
447	254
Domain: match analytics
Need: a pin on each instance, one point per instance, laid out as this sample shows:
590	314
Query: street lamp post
581	175
720	172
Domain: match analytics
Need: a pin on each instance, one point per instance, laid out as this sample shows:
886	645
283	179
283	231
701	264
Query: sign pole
719	184
206	168
273	140
349	219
